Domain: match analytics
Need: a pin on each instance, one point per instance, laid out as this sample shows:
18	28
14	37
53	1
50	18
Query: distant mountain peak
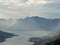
34	17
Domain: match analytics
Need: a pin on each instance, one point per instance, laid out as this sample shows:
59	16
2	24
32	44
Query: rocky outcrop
5	35
46	40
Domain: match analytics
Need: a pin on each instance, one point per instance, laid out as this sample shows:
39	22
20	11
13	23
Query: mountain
46	40
5	35
30	23
55	42
38	23
29	26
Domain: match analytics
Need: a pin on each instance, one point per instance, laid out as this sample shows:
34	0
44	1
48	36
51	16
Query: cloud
13	1
23	8
26	2
23	2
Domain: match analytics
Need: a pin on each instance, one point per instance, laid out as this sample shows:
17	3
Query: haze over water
23	37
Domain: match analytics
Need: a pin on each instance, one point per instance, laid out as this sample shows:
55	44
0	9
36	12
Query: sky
23	8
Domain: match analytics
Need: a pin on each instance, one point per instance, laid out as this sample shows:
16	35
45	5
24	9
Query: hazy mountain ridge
31	23
42	23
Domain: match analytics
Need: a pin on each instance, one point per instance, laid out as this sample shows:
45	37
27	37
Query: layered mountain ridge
30	23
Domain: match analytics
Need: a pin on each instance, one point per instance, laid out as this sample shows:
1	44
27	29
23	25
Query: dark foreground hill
46	40
5	35
54	42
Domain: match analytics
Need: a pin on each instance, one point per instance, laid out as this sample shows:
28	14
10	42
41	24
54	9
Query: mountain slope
38	23
5	35
30	23
46	40
54	42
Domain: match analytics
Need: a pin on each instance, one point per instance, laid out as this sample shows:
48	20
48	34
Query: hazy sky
23	8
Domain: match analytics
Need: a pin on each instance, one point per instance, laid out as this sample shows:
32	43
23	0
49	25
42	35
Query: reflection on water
24	36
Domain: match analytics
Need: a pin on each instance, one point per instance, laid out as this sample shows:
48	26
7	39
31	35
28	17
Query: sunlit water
23	37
